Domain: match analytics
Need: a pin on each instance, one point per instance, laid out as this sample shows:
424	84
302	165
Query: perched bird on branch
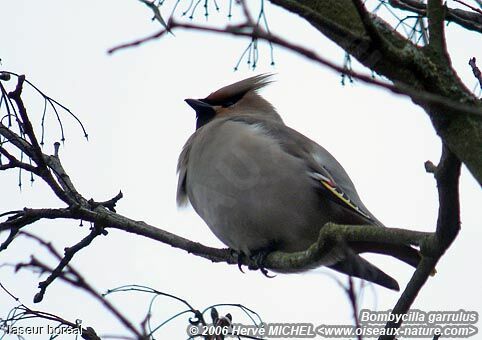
261	186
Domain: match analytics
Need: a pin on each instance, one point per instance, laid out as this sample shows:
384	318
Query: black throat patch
204	116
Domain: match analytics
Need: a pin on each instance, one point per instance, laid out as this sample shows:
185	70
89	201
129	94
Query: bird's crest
237	90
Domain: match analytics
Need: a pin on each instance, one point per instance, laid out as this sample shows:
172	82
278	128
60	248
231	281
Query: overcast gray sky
132	104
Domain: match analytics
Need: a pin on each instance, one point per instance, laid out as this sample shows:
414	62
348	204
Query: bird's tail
357	266
404	253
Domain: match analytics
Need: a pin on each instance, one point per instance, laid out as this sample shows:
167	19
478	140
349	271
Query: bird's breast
250	192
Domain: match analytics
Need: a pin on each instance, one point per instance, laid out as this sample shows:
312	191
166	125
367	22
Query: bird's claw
240	257
259	259
265	272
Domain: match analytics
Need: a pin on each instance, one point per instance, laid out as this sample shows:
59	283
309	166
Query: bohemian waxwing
262	186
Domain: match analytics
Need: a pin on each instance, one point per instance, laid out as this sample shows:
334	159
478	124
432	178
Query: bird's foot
259	260
240	256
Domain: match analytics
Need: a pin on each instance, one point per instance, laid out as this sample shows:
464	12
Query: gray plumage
260	185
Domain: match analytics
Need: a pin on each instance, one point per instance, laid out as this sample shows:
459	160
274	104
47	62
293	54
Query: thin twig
109	204
475	9
26	312
52	102
352	297
68	255
475	70
32	149
27	125
12	212
13	234
78	280
466	19
400	88
15	163
27	216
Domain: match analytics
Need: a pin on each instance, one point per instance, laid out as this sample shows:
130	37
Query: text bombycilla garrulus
262	186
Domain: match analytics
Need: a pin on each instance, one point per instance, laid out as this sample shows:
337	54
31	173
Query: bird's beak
198	105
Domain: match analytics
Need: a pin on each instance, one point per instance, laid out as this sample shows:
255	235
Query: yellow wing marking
344	198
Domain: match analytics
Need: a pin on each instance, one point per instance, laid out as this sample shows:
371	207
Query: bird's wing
325	169
338	195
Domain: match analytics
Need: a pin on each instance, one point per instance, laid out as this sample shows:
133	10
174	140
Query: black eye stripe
227	104
202	118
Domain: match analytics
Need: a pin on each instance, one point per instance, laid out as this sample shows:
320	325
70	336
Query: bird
261	186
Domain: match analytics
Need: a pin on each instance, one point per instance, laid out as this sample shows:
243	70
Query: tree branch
23	311
476	71
428	80
32	151
466	19
332	236
475	9
28	216
19	142
64	261
376	39
447	175
15	163
26	124
75	278
400	88
436	21
9	239
103	215
424	76
68	188
420	69
279	261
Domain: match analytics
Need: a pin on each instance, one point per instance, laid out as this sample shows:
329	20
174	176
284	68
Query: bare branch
282	262
33	150
68	188
12	212
103	213
246	13
110	204
475	9
476	71
157	14
27	125
16	140
73	277
15	163
352	297
68	255
336	235
10	238
400	88
466	19
375	37
27	216
447	175
52	102
436	23
26	312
